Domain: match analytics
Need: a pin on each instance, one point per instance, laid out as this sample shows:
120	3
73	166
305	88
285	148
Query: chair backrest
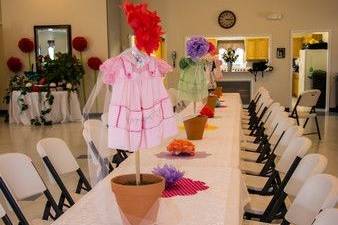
59	155
319	192
271	110
2	211
298	147
21	176
309	166
283	124
97	132
309	98
327	217
287	137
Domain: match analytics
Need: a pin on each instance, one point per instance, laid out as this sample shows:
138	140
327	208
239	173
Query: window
239	63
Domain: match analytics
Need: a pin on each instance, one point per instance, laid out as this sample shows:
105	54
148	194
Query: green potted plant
229	57
64	68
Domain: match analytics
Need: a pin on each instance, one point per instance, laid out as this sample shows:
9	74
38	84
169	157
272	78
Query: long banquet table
216	163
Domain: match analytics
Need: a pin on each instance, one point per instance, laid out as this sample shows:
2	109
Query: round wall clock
227	19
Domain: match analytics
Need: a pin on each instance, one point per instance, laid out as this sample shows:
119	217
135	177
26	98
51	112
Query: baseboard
334	109
3	113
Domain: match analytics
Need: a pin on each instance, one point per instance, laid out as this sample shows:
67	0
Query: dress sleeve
163	67
109	70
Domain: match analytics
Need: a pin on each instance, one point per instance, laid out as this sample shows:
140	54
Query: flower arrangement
230	56
197	47
207	111
64	68
145	24
14	64
181	147
170	174
26	45
80	44
94	63
212	49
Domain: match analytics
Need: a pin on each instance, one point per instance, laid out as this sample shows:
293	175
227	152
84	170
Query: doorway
310	65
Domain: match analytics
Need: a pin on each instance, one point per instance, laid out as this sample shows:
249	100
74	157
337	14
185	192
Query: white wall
199	17
87	18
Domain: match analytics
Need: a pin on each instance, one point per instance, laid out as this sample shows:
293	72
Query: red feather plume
145	24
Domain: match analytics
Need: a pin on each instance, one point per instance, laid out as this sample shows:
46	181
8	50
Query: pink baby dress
140	112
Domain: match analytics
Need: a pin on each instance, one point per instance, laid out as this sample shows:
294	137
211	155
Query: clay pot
194	127
138	204
211	101
218	92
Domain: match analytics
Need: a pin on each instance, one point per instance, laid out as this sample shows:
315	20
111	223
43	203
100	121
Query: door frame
328	64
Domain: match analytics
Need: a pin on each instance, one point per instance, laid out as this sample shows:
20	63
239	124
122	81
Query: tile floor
15	138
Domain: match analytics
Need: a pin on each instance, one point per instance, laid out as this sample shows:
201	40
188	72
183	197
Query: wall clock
227	19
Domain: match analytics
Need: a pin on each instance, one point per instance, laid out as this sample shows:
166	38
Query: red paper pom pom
212	49
26	45
145	24
94	63
14	64
207	111
79	44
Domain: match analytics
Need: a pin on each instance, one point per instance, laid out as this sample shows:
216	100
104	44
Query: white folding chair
305	108
309	166
4	217
318	192
58	161
104	118
95	134
327	217
25	182
259	152
12	202
261	206
297	145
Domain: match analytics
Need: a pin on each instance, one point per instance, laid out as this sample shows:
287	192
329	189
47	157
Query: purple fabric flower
170	174
197	47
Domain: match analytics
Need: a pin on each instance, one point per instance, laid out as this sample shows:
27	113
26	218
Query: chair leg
49	205
317	126
6	220
83	182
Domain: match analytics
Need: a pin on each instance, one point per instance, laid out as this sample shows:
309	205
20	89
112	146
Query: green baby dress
193	85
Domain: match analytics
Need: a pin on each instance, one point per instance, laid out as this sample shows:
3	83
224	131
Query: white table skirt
66	107
216	164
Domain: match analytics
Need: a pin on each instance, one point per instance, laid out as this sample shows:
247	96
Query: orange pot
211	101
138	204
194	127
218	92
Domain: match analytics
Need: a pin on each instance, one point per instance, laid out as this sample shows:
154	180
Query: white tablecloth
216	163
66	107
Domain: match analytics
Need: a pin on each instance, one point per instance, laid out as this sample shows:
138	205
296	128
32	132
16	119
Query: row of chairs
276	168
20	180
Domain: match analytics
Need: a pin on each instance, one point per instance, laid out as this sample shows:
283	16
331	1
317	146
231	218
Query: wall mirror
51	39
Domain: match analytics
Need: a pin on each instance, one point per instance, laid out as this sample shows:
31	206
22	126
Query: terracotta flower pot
194	127
218	92
138	204
211	101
